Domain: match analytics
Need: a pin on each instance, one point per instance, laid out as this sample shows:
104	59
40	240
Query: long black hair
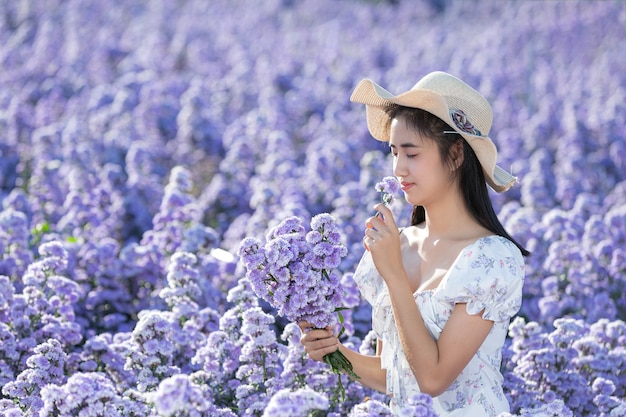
469	174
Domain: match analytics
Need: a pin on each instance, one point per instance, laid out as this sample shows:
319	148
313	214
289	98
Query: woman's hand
317	342
383	241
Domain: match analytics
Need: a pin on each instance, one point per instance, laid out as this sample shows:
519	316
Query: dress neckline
445	276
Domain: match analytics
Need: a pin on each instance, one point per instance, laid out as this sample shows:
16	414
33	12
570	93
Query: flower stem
339	364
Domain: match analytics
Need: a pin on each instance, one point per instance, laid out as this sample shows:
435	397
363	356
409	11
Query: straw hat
464	109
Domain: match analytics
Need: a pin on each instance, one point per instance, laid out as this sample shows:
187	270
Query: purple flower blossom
421	406
388	187
45	366
15	255
9	409
288	403
150	351
182	280
571	364
171	396
220	361
87	394
370	408
181	395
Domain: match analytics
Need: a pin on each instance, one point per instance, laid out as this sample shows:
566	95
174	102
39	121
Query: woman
444	289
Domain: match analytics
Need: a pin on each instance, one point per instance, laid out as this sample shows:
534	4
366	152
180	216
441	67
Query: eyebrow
405	145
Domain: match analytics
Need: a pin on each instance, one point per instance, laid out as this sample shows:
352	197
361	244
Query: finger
387	215
371	235
382	209
319	343
368	224
319	354
304	326
317	339
320	348
367	248
312	334
375	223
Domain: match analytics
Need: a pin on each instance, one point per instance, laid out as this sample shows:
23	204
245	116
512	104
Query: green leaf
341	320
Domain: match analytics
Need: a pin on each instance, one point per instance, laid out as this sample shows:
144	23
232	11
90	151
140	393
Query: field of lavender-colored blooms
141	141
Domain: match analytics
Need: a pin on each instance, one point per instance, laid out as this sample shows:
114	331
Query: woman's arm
436	363
319	343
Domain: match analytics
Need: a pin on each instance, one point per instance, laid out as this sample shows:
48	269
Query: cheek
425	167
431	174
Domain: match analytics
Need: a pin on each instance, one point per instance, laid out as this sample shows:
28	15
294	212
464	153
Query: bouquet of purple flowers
293	272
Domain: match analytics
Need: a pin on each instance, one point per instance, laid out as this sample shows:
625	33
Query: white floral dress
486	275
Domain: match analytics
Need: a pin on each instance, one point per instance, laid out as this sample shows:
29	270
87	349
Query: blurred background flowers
141	141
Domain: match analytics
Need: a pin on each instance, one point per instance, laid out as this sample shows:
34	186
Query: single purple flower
388	187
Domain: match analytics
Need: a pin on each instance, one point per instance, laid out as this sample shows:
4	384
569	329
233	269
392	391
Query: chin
414	201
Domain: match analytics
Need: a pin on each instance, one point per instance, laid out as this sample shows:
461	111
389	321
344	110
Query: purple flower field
142	141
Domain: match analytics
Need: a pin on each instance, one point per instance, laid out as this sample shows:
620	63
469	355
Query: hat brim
377	99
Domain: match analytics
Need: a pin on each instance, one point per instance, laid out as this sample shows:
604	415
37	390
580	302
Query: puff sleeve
489	276
366	276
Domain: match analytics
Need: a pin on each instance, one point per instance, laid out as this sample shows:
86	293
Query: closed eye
406	147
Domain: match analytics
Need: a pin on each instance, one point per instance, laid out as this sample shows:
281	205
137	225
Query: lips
406	186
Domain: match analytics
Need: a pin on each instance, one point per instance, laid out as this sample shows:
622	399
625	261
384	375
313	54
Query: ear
456	154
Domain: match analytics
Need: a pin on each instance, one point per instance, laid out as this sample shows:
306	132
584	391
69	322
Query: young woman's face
417	164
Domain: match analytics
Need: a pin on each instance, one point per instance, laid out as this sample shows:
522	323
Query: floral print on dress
483	261
487	276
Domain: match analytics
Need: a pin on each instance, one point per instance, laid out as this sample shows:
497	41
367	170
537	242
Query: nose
399	166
